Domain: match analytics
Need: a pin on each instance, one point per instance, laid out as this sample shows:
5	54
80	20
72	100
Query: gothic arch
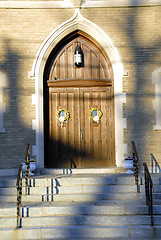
78	22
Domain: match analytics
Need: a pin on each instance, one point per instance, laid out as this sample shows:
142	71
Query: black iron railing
27	168
155	168
148	191
19	185
135	165
19	196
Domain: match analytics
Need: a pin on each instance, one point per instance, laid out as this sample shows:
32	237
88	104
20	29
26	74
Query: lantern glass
78	56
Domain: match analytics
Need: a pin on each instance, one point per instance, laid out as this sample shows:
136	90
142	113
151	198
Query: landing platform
58	171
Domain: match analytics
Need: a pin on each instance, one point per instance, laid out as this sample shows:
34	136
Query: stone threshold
64	171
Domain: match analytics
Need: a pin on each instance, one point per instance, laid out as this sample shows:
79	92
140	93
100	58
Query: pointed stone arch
78	22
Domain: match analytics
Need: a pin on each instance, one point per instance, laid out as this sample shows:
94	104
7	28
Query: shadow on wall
17	134
140	114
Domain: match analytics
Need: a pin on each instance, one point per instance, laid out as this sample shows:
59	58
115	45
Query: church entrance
79	106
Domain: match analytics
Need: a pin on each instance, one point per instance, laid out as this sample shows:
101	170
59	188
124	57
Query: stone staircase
80	206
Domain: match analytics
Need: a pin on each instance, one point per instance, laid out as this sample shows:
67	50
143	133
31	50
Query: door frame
78	22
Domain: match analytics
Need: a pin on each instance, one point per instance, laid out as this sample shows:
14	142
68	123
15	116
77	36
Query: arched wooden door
81	115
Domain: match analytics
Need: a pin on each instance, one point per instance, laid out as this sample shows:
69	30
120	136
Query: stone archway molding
78	22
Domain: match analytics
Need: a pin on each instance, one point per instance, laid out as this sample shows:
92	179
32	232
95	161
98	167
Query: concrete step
157	196
12	191
81	197
77	184
74	197
98	179
4	199
61	210
97	208
82	179
5	191
77	193
68	179
72	189
76	215
7	211
74	232
8	181
8	222
91	220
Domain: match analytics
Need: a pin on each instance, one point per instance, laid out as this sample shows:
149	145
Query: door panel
64	139
80	139
97	146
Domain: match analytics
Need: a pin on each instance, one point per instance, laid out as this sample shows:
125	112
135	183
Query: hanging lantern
78	56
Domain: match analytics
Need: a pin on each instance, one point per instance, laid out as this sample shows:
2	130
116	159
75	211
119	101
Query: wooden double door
81	140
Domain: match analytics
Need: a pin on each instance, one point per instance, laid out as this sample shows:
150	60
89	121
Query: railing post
151	162
27	170
19	185
146	187
148	191
151	204
19	196
154	164
135	165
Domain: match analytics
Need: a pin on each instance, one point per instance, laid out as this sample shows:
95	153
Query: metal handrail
148	191
154	164
19	195
135	165
27	168
19	185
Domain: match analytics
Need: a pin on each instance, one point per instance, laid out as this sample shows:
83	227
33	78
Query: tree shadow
17	133
139	110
